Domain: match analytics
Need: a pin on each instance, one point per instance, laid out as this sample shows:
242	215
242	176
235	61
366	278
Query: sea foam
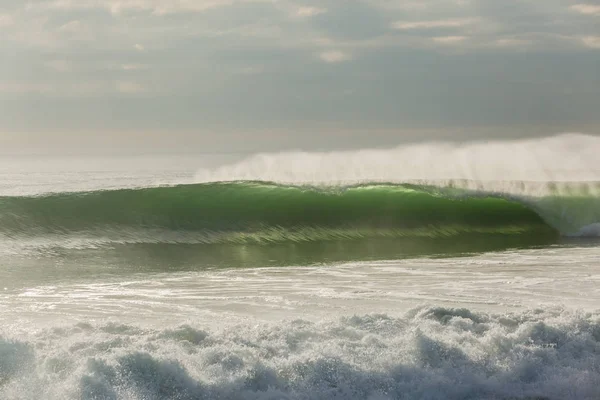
430	353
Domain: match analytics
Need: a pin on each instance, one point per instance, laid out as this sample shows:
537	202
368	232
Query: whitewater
426	271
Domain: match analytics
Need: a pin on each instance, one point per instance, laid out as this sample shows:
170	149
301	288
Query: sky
262	75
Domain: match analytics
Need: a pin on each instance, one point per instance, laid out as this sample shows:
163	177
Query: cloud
24	88
447	23
307	25
130	87
293	54
449	40
157	7
513	42
72	27
59	65
249	70
6	20
134	67
587	9
309	11
85	88
591	41
178	6
334	56
350	20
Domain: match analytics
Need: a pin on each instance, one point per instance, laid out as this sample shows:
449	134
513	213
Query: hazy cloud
591	41
5	20
130	87
59	65
449	39
212	65
134	67
447	23
24	88
309	11
71	27
334	56
588	9
157	7
351	20
513	42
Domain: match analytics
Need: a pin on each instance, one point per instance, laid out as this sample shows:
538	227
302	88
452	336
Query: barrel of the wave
263	213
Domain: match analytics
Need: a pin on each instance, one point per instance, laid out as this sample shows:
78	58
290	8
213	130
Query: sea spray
491	165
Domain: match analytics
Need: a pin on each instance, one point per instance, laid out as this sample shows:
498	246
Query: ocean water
430	271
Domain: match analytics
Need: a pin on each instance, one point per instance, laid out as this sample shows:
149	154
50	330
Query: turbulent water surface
357	275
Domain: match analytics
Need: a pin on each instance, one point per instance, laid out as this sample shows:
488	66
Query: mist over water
492	165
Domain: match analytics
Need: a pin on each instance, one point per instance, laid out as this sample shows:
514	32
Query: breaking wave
262	212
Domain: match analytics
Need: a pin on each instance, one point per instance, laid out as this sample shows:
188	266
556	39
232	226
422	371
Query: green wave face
258	212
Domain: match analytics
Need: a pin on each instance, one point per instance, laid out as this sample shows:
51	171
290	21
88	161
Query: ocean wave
431	352
263	212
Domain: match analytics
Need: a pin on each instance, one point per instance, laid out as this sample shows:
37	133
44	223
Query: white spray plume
566	157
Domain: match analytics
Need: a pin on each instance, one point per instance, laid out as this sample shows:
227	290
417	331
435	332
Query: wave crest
256	212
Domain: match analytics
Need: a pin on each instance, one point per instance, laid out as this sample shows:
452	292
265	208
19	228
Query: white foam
592	230
433	353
